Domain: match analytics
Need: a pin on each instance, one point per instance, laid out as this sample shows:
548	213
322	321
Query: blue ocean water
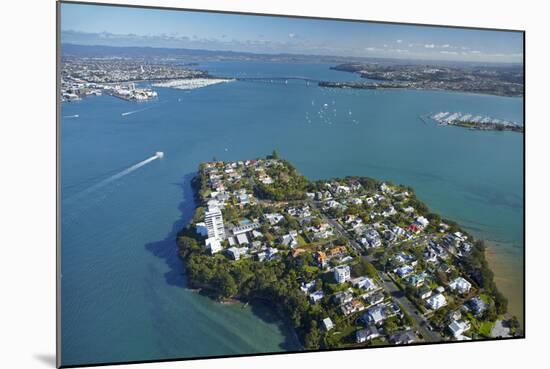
123	295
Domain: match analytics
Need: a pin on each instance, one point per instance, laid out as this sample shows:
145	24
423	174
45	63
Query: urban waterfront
122	279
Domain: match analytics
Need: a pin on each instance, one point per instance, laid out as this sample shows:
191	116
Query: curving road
388	284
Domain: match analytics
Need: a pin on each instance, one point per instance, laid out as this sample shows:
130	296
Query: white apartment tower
214	223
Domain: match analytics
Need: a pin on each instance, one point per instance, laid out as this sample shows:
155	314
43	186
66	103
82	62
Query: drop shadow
47	359
166	248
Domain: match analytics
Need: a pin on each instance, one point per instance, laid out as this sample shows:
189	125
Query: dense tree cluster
363	267
275	282
288	184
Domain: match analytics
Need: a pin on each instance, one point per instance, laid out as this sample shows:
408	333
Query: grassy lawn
314	245
485	328
301	241
311	269
485	298
378	342
343	336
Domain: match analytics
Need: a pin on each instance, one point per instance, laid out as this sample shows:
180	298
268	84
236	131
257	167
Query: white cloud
500	55
291	44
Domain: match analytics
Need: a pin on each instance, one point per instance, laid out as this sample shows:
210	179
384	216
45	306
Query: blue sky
118	26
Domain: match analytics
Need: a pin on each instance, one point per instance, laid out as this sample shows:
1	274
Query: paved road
389	285
399	295
339	229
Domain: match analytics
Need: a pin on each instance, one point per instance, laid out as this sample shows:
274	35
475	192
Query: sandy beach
508	270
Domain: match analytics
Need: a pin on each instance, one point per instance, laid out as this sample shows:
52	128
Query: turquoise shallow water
122	286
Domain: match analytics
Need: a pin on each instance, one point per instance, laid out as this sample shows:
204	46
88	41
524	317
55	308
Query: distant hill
138	51
69	49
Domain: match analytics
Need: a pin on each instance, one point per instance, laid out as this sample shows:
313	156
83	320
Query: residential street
389	285
399	295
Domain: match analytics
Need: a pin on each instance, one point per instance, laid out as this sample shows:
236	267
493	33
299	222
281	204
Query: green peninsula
347	262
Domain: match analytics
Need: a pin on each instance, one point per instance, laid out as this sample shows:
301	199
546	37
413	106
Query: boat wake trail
97	186
134	111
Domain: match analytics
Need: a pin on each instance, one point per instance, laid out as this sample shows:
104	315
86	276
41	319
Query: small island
347	262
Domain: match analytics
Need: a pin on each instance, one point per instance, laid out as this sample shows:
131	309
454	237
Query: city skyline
121	26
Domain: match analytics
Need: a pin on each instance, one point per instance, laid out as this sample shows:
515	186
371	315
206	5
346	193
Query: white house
356	201
436	301
270	252
342	273
423	222
374	298
372	332
372	238
460	285
316	296
384	187
343	297
307	287
409	209
327	324
458	327
215	203
256	234
244	199
343	189
213	244
376	314
424	292
290	240
273	218
364	283
261	256
242	239
404	270
236	252
398	231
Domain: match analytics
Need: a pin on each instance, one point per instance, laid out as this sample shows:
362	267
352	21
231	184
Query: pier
472	121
